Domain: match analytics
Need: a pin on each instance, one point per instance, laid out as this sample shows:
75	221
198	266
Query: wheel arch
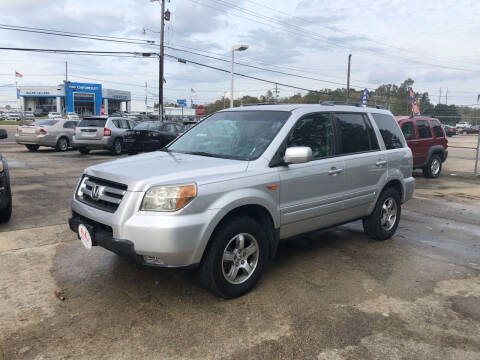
255	211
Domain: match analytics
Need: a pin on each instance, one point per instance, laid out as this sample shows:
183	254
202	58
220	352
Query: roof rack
349	103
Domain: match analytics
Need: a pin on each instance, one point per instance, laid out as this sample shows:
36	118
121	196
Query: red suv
426	137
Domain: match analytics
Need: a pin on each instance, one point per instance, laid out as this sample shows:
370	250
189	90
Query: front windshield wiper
202	153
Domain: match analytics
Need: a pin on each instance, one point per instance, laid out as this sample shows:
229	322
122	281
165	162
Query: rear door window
316	132
355	133
69	124
124	124
408	131
92	123
424	131
390	131
437	128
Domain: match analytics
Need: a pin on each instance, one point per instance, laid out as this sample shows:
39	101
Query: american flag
18	75
415	109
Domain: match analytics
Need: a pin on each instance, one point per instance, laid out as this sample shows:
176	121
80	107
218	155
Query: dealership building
82	98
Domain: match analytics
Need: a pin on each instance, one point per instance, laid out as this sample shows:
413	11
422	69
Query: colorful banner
364	97
415	108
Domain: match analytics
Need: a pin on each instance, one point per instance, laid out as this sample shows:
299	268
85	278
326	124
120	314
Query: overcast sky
434	42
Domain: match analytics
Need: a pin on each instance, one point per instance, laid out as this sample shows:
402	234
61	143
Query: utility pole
446	97
276	93
348	78
160	70
440	96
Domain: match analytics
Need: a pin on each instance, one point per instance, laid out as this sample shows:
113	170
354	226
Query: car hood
140	172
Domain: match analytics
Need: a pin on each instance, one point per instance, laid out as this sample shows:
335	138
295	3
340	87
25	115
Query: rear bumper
409	188
42	140
104	143
445	156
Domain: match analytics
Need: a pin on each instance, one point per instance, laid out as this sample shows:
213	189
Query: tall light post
234	48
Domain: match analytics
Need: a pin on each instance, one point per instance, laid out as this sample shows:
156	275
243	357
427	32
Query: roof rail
349	103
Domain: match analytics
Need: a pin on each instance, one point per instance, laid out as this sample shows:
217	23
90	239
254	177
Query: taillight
74	131
43	131
107	132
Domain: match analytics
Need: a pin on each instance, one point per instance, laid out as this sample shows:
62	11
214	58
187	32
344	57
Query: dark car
450	130
150	136
187	125
426	138
5	191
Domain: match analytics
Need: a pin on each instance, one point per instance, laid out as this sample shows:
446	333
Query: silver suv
101	132
223	194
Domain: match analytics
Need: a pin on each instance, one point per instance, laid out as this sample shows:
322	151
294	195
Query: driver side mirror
298	155
3	134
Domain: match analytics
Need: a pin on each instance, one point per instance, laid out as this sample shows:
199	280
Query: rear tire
117	147
62	144
383	221
32	147
6	214
231	267
83	150
433	168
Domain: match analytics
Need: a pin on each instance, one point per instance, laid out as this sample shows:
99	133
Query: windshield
242	135
45	122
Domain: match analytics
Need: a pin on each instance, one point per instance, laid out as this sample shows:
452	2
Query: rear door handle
380	163
334	171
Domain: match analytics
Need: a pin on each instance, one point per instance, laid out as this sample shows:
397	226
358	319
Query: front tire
32	147
383	222
433	168
6	214
235	257
62	144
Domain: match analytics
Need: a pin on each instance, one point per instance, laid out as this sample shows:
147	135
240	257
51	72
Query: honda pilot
221	196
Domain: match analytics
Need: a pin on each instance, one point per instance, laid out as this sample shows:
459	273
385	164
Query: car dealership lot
334	294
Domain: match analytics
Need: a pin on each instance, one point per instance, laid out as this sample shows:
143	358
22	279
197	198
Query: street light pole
160	70
234	48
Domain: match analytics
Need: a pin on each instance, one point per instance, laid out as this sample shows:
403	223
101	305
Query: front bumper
175	240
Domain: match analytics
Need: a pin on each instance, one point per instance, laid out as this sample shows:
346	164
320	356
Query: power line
315	36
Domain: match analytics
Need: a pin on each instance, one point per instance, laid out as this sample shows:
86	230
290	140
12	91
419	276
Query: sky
434	42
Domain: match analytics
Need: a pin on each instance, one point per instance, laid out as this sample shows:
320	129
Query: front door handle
381	163
334	171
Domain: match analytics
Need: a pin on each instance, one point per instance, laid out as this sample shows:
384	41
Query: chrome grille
102	194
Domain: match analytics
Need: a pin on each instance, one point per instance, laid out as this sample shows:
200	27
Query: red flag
18	75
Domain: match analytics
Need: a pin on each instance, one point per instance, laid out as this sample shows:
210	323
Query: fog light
154	260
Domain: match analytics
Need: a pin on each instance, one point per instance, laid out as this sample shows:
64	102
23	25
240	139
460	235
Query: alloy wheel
240	258
388	214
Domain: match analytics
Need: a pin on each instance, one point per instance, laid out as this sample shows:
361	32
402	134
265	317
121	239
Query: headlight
1	165
168	198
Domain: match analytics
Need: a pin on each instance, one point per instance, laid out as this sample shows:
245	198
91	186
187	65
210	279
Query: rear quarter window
390	131
437	128
408	130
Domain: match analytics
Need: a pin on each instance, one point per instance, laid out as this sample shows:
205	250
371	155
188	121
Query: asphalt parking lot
333	294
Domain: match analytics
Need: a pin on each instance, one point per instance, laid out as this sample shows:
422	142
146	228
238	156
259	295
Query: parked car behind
5	189
56	133
150	136
40	112
426	138
14	116
449	130
222	195
102	132
186	125
28	116
470	130
72	116
54	115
